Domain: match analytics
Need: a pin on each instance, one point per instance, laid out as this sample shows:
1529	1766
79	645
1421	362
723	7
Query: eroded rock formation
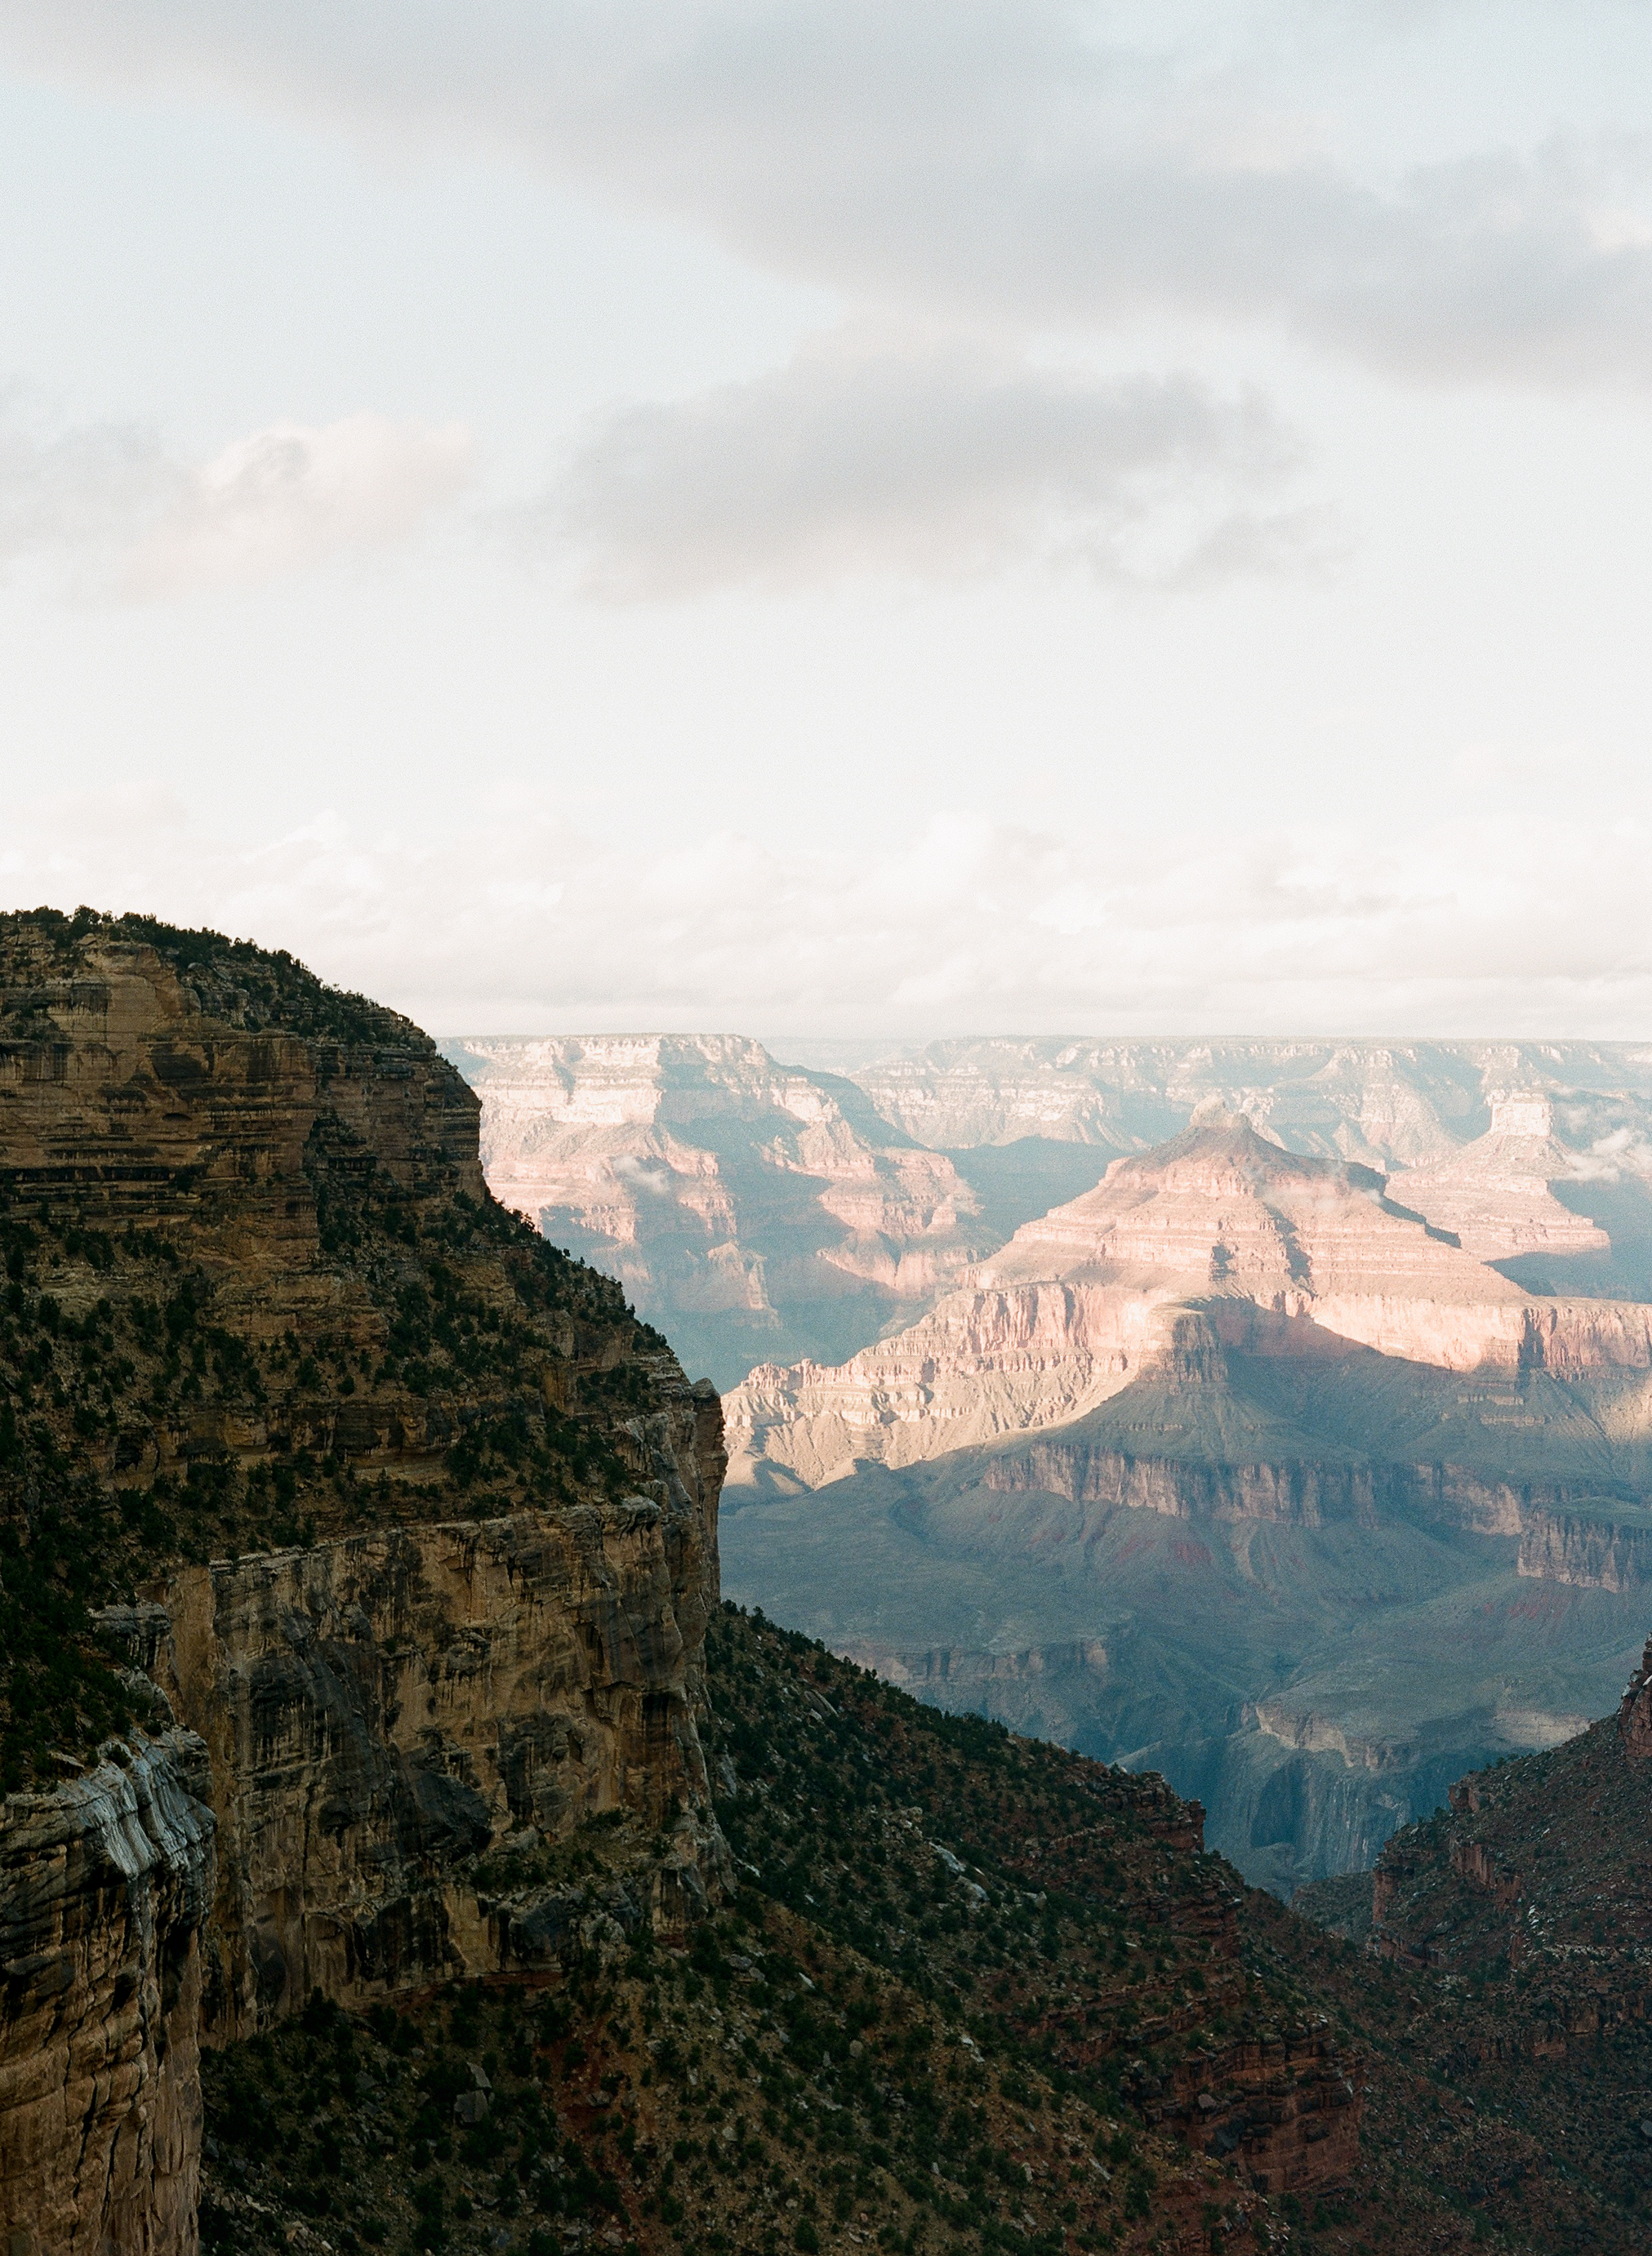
404	1530
1288	1257
1385	1104
748	1208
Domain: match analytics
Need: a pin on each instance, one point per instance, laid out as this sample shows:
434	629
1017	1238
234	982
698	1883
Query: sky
841	517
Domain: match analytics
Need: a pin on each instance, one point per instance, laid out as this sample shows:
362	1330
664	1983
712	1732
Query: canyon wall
1388	1104
356	1550
748	1209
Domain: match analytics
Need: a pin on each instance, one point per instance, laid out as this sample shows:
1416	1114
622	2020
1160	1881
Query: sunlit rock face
1256	1473
1554	1218
1288	1256
750	1209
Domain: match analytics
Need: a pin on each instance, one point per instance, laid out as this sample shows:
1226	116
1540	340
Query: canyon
749	1210
1333	1506
403	1844
358	1577
1387	1362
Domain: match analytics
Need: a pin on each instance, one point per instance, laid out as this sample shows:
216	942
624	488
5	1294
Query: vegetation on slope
125	1380
955	2006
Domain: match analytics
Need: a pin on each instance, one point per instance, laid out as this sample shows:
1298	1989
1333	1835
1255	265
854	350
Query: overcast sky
841	516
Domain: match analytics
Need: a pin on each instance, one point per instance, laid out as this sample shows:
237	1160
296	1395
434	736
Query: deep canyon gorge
1276	1414
405	1845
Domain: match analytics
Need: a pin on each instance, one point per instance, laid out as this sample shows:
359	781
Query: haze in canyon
1275	1414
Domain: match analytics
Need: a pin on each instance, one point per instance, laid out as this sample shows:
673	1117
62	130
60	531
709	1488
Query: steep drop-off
400	1848
972	1993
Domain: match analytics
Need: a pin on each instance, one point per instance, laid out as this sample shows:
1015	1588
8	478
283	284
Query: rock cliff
354	1547
747	1208
105	1887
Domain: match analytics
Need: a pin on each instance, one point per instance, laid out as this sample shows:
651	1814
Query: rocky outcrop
1594	1550
1494	1193
749	1209
105	1886
1634	1711
1288	2109
405	1533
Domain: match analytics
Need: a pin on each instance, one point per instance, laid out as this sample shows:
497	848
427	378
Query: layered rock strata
406	1533
1386	1104
1495	1194
747	1207
1290	1257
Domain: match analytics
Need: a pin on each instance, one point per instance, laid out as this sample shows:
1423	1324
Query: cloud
108	504
289	498
1013	160
1475	928
932	459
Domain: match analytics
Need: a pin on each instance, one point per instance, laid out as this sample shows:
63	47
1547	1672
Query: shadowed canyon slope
1240	1467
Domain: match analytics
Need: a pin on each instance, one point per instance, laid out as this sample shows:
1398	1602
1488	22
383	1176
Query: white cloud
1021	160
108	504
289	498
1472	928
939	458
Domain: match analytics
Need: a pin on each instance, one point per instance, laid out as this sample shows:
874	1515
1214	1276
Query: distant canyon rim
1275	1413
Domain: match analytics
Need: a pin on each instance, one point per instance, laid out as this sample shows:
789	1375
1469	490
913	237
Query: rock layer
1388	1104
105	1886
256	1288
1293	1258
1347	1510
747	1207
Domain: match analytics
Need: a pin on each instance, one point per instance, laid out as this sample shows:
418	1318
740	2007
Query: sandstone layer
1385	1104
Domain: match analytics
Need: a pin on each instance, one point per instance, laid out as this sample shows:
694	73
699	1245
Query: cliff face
257	1293
105	1886
750	1208
399	1721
